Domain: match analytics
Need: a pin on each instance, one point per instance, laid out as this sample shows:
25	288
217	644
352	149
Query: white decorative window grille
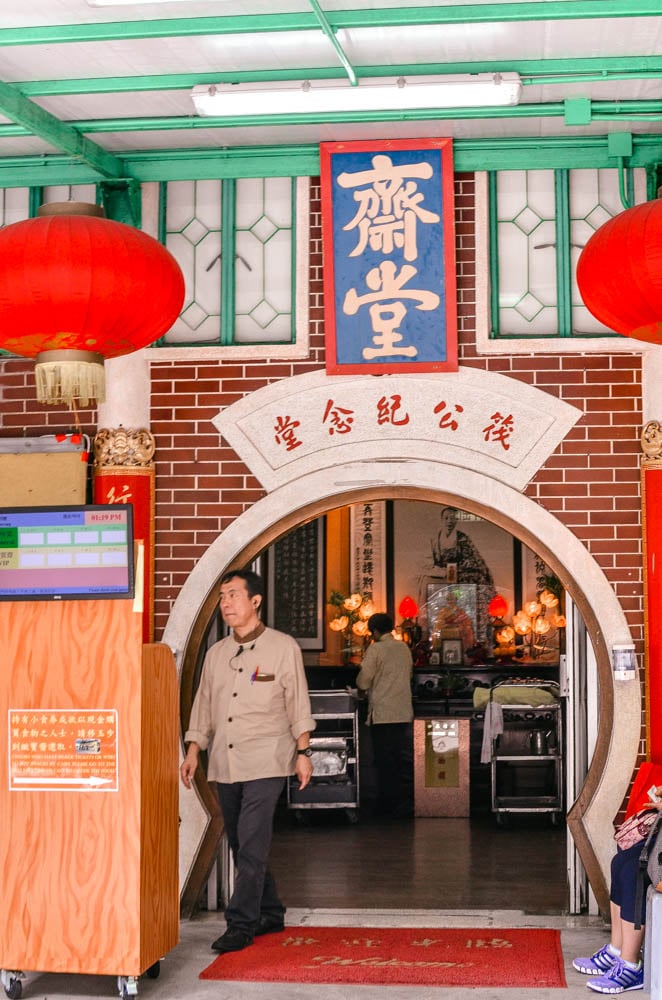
531	227
234	241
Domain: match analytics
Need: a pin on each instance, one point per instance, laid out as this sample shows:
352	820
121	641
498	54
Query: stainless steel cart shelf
527	757
335	746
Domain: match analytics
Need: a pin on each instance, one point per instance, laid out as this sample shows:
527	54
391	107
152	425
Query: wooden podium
88	790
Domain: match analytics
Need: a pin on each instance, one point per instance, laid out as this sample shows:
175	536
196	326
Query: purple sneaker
619	979
601	962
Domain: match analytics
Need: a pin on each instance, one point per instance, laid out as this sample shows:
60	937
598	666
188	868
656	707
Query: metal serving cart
527	757
335	759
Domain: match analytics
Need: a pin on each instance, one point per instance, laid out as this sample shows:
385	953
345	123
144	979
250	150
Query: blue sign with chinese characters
389	256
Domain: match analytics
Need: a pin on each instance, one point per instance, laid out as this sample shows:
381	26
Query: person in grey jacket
386	671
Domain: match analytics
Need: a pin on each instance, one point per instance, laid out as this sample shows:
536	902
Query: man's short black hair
254	584
381	623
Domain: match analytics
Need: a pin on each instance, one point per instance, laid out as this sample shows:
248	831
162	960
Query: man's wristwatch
306	753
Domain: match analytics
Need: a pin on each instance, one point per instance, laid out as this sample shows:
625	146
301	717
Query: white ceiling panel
585	60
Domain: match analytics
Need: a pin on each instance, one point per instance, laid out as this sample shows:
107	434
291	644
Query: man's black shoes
238	938
234	939
269	925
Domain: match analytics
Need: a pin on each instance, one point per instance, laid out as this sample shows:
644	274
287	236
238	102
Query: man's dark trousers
391	744
248	810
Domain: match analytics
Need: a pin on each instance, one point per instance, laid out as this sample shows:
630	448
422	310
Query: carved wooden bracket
122	446
651	442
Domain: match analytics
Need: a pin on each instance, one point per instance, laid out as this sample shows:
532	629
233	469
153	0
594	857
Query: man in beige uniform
253	712
385	673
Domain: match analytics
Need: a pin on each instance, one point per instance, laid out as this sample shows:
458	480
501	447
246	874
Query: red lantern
497	606
408	607
619	273
76	288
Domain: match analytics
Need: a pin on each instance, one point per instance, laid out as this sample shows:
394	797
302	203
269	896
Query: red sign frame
406	185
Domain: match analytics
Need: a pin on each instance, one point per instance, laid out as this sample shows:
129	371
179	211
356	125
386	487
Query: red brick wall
20	413
591	483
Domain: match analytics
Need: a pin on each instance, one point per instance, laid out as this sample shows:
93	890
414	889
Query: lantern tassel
63	376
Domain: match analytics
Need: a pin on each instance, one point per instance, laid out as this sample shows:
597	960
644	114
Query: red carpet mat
388	956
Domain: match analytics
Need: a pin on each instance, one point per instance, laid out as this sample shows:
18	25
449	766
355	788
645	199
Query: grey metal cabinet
335	759
527	758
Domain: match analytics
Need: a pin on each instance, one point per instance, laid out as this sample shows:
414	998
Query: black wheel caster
154	971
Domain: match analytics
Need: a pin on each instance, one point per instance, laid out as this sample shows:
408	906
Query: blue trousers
248	811
623	892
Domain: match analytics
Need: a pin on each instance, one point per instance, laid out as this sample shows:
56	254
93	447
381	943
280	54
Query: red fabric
647	775
469	957
652	494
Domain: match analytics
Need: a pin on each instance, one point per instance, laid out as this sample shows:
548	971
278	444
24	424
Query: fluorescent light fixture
468	91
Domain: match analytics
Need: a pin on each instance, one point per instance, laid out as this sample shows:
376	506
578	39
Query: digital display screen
66	553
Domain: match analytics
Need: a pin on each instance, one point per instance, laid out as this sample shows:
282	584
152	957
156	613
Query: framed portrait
482	556
461	600
451	652
295	584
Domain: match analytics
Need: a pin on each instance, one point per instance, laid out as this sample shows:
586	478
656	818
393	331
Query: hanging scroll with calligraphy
368	551
295	599
389	256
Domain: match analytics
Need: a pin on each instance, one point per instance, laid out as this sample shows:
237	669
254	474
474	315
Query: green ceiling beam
331	35
596	77
603	68
11	131
533	153
174	27
468	155
621	111
60	135
43	171
191	123
29	119
614	111
458	13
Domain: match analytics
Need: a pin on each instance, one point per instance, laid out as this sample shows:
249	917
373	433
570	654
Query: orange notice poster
63	750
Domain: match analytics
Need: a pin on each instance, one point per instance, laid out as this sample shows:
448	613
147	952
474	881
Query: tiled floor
425	873
180	969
